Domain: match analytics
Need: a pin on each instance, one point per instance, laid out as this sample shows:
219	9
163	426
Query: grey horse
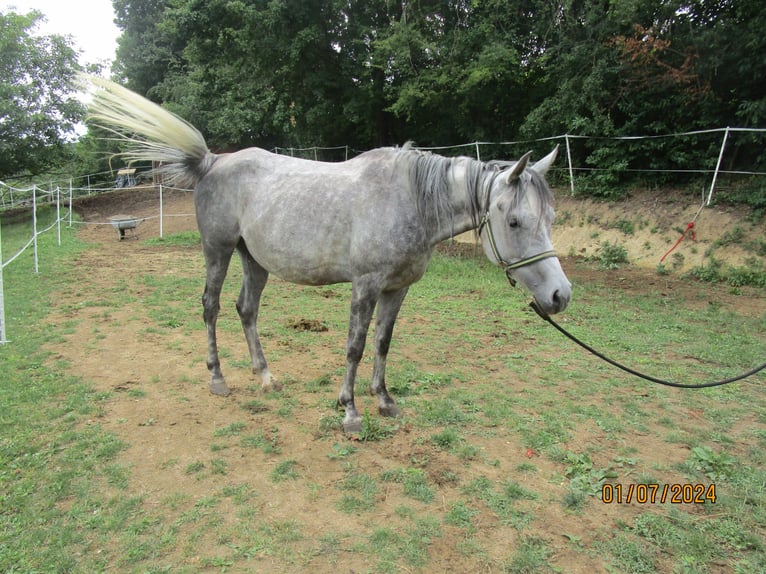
373	221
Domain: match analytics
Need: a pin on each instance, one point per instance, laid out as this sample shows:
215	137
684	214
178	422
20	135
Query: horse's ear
518	168
544	164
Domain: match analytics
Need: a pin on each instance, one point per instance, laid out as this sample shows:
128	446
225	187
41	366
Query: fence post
161	211
58	216
2	295
718	165
569	162
70	203
34	226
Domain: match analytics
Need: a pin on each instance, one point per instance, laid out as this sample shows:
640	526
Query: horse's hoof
272	386
389	411
219	388
353	426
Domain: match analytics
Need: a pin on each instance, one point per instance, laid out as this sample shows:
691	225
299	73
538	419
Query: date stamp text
677	493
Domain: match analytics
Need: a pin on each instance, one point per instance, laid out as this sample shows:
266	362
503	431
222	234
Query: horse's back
312	222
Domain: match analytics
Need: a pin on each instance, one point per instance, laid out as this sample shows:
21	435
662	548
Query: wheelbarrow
123	223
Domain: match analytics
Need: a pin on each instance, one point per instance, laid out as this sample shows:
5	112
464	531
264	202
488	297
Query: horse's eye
513	222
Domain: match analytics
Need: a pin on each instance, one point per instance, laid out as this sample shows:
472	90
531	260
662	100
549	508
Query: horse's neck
464	200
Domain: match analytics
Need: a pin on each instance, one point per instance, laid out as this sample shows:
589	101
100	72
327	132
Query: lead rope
590	349
689	227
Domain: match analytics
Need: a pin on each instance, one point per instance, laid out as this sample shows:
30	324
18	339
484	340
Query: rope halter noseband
508	267
515	173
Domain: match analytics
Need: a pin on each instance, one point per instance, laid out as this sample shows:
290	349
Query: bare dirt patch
649	224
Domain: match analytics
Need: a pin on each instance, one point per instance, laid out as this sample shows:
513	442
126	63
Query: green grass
531	556
285	470
508	433
59	478
181	239
414	483
360	491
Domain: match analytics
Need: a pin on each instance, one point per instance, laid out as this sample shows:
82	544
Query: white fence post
34	226
161	211
58	216
569	162
3	340
718	165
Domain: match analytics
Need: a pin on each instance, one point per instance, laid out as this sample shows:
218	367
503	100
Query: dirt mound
649	224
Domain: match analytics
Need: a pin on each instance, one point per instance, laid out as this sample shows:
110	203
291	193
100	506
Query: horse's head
516	232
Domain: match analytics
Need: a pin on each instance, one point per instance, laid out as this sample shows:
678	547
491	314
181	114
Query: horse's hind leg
364	295
254	278
217	264
388	309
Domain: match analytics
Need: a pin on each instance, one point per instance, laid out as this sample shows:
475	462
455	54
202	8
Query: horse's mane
430	173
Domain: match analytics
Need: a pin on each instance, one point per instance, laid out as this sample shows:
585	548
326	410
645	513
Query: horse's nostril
559	300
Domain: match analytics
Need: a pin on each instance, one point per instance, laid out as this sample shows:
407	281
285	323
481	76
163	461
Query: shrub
610	256
752	274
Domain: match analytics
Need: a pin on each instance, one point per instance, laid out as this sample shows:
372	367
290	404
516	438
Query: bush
610	256
753	274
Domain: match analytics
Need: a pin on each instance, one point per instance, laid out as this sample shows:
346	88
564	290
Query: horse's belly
313	262
311	265
319	248
309	273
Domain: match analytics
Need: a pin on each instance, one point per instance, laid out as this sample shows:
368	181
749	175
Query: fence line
55	195
32	242
571	168
11	196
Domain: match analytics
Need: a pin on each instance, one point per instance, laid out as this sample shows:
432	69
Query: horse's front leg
388	309
364	295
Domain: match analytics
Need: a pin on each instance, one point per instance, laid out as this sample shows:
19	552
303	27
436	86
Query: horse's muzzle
557	302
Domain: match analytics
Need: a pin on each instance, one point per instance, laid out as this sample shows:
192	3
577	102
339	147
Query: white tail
150	132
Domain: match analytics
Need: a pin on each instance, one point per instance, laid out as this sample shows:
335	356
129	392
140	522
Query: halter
508	267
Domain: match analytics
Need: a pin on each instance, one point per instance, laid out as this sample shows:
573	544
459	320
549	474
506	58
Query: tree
265	73
144	54
641	67
458	70
379	72
38	108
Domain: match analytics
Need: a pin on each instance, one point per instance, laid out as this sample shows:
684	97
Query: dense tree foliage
365	73
372	72
38	107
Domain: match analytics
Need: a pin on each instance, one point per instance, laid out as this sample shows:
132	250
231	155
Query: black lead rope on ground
590	349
